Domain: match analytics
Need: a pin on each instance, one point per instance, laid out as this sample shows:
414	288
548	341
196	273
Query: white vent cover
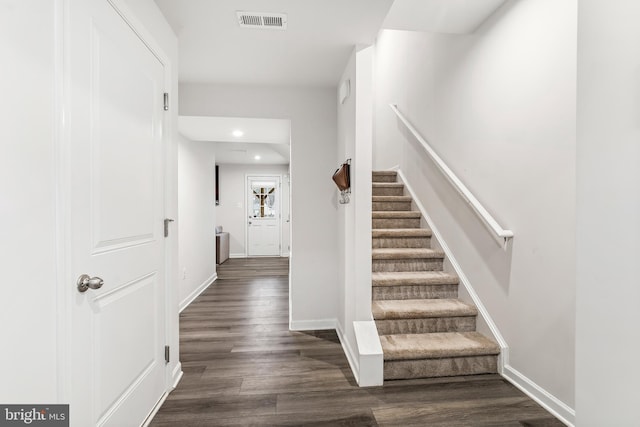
268	21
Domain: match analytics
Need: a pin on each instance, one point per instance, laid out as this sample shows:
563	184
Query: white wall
197	246
31	363
499	107
312	111
346	212
608	204
232	214
28	304
355	128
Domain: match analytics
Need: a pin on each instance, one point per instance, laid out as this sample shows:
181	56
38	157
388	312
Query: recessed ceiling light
257	157
237	133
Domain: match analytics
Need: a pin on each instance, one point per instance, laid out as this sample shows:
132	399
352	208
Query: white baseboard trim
155	409
352	357
531	389
482	311
176	375
200	289
312	325
548	401
237	255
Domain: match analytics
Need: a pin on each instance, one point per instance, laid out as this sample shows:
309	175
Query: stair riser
388	191
396	222
401	242
384	178
391	206
407	265
426	326
445	367
380	293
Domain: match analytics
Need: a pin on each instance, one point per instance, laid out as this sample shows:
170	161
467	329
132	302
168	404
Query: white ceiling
266	138
440	16
245	153
221	129
312	51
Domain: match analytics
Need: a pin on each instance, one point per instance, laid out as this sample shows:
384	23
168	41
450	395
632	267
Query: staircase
425	331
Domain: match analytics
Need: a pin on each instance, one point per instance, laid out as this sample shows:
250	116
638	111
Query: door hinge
166	353
166	101
166	226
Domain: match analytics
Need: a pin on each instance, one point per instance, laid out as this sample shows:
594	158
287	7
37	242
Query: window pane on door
263	199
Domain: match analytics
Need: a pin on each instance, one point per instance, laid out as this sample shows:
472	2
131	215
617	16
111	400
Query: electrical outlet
184	273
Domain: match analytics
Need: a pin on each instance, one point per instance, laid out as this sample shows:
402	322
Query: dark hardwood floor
243	367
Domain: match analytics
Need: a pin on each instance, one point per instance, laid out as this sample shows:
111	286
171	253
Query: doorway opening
245	147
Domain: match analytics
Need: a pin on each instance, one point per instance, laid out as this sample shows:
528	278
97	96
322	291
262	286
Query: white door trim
65	283
246	208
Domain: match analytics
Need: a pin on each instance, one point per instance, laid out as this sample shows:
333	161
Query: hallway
242	366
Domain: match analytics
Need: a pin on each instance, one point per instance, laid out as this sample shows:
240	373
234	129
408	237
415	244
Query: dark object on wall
216	185
342	178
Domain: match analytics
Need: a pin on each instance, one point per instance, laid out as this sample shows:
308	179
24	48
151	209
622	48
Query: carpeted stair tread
392	199
421	309
405	253
408	278
387	189
400	232
388	184
384	176
395	214
384	173
436	345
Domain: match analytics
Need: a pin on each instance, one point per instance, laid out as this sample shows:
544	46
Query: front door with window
263	225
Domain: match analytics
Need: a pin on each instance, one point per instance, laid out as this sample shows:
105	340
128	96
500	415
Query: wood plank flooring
243	367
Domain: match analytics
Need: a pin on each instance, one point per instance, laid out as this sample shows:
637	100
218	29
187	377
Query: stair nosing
485	348
395	214
398	278
391	199
422	309
401	232
405	253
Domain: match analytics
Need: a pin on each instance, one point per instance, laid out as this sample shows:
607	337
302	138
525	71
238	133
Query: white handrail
501	235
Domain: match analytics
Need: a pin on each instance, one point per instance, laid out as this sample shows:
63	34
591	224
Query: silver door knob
87	282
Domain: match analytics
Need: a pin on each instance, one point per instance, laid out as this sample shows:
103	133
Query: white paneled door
263	225
115	87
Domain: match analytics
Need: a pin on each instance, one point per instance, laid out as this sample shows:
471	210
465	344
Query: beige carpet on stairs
424	329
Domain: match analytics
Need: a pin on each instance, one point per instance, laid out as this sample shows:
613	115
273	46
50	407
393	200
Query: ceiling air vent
270	21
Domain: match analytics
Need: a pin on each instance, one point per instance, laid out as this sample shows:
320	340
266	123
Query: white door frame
286	220
65	283
246	209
